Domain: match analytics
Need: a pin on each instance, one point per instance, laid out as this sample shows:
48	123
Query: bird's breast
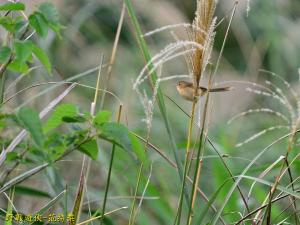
187	93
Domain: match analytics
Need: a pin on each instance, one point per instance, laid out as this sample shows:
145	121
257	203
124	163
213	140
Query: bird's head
182	84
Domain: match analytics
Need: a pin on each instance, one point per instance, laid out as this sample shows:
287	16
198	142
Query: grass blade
230	192
160	99
22	177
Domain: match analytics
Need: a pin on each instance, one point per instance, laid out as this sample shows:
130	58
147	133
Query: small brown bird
186	90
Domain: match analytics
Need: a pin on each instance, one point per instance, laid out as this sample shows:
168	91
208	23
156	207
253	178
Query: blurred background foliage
267	38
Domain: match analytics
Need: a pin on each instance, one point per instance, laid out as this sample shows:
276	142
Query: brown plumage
186	90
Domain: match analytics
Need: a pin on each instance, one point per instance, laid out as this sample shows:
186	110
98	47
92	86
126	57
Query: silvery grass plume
285	97
196	48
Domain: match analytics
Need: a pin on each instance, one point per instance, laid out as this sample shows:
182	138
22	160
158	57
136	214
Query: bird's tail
221	89
202	90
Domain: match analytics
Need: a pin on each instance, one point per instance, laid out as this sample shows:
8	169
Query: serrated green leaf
56	119
90	148
42	56
4	54
18	66
39	23
23	50
102	117
30	120
12	6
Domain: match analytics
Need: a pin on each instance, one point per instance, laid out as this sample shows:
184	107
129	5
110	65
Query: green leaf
50	12
4	54
42	56
31	192
90	148
23	50
11	156
137	147
18	66
54	146
102	117
117	133
2	125
56	119
39	23
74	119
51	15
8	23
11	24
12	7
121	136
19	24
30	120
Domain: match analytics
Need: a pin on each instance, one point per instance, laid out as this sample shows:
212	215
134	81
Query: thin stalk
86	162
186	163
293	199
79	194
109	171
4	66
278	178
159	97
132	214
92	112
260	208
205	109
2	87
98	217
271	194
131	217
171	163
194	195
190	211
3	69
218	153
113	54
10	170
